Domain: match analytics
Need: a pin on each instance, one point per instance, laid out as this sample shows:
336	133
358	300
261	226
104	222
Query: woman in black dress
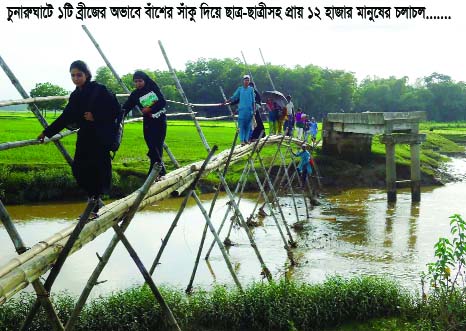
152	102
92	109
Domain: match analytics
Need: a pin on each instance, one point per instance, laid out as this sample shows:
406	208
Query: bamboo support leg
103	260
60	261
264	183
290	186
180	212
275	197
269	205
212	205
293	164
169	318
265	270
241	183
268	73
20	248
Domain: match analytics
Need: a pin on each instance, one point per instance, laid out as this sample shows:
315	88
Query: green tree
45	90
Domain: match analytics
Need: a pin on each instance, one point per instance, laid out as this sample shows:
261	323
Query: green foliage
277	306
49	89
444	304
318	91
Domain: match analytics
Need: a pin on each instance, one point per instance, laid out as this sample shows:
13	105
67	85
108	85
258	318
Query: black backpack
111	136
119	125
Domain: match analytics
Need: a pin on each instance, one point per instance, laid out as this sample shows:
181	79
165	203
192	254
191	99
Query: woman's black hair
82	66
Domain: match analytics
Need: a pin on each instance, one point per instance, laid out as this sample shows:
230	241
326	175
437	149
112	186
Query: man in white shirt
289	123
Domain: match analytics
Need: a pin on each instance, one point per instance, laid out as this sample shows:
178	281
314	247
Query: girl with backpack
90	109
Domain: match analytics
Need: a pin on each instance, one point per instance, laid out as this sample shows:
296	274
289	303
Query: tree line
318	91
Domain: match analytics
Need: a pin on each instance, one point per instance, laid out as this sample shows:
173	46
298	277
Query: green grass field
182	139
35	172
26	168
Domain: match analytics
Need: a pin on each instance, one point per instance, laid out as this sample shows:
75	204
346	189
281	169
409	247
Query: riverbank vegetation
361	303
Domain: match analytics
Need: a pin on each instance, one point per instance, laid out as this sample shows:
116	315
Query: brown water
367	236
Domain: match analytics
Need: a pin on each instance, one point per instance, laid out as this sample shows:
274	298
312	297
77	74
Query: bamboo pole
232	115
22	143
287	247
60	261
289	185
20	248
185	99
178	215
212	205
141	193
169	319
109	65
264	183
267	69
208	221
293	163
241	183
247	66
34	108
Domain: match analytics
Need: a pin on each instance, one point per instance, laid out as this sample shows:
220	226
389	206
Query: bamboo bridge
50	254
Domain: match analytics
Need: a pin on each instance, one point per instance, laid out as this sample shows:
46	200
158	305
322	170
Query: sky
40	51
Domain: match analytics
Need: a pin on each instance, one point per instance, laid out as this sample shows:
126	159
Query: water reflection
353	232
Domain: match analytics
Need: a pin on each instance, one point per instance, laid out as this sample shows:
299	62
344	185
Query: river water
353	232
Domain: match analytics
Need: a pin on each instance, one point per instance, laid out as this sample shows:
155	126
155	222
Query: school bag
111	136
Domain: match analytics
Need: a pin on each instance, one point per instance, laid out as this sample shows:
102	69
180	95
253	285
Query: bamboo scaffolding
39	288
212	205
174	180
62	256
141	193
265	270
241	184
34	108
275	197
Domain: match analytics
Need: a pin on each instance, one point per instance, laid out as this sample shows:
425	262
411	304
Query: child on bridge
304	167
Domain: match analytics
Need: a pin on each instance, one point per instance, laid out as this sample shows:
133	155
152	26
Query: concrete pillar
390	172
415	172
